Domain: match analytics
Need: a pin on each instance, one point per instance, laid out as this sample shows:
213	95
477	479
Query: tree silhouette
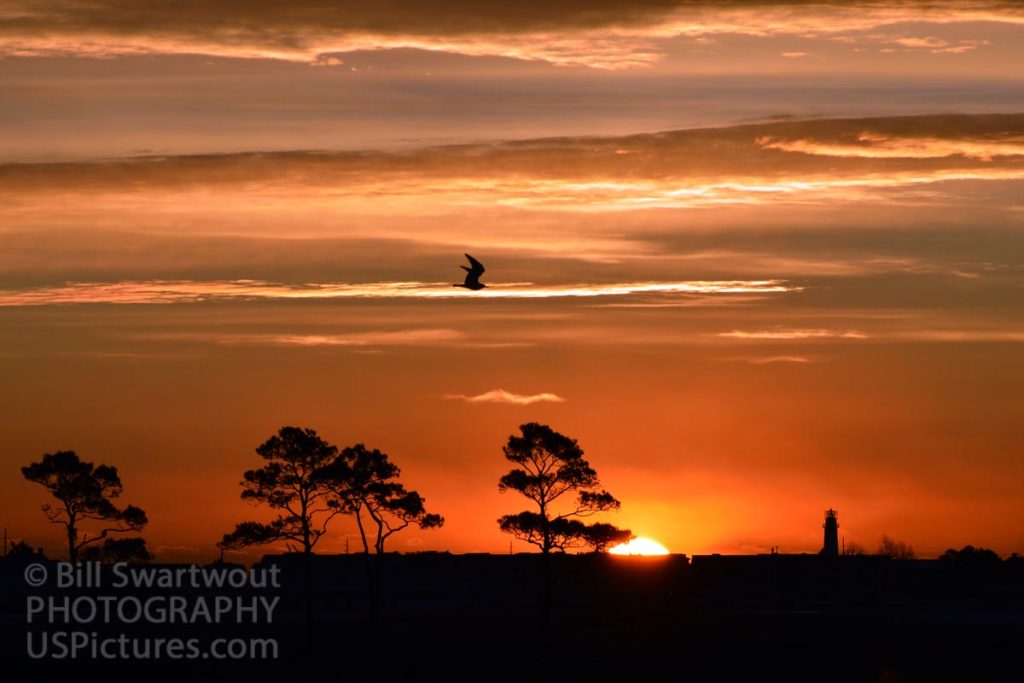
897	550
550	467
85	493
852	549
366	482
289	482
21	550
116	550
970	557
600	536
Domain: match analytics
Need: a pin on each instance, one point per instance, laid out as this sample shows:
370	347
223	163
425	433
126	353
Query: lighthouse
831	526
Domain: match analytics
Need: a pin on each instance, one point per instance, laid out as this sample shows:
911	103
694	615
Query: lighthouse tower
831	526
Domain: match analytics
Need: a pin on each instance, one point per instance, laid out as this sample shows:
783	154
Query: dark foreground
431	617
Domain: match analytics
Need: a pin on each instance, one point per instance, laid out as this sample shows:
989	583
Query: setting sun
639	546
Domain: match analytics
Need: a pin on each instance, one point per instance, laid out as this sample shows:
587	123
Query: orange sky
760	259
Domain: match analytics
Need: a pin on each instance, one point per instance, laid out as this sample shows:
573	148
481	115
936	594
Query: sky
760	259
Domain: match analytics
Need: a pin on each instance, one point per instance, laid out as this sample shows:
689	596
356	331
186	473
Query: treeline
308	482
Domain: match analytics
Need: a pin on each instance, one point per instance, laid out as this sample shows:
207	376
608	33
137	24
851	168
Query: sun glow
639	546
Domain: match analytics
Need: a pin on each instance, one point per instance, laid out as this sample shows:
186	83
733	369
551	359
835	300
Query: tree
85	493
21	550
551	467
600	536
366	482
970	557
116	550
897	550
853	548
291	483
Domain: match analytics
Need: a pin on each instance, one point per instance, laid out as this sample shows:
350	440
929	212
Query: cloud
962	335
599	33
819	161
189	291
596	33
737	300
904	43
794	335
888	332
770	360
359	340
327	60
872	146
507	397
391	338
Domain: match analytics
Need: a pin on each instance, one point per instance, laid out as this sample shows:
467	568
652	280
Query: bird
473	272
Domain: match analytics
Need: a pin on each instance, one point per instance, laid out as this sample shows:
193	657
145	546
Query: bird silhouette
473	272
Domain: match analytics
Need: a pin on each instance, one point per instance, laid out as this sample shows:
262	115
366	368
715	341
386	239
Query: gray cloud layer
286	23
603	33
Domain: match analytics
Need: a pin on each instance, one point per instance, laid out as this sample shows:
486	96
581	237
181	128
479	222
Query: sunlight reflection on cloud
166	292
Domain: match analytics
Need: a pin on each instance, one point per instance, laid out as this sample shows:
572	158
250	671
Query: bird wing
478	268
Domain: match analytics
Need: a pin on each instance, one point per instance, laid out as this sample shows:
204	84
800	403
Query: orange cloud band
608	34
799	161
166	292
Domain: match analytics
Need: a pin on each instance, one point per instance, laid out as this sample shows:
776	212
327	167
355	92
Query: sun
639	546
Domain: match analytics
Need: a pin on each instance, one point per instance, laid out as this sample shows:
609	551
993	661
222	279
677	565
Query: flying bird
473	272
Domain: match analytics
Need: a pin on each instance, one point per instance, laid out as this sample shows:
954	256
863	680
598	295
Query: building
831	526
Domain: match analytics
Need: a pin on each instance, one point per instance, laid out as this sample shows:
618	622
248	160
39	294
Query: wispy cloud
798	162
606	34
187	291
961	335
874	146
637	195
391	338
735	300
884	334
770	360
507	397
796	335
373	338
906	43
